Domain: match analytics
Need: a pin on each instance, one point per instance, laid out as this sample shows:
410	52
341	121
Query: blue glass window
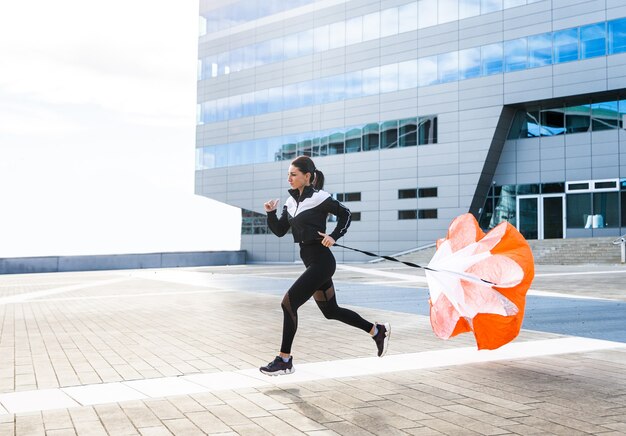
338	34
290	98
407	74
617	36
469	8
389	78
427	13
290	46
234	106
305	42
448	67
261	98
336	88
487	6
209	109
220	155
540	50
593	40
448	11
248	59
236	59
371	26
263	53
604	116
371	81
305	93
276	50
513	3
427	71
407	17
552	121
565	45
321	38
389	22
577	119
247	104
515	55
469	63
221	109
354	82
323	88
491	59
354	30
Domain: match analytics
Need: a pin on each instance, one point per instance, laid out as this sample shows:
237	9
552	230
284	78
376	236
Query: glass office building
416	112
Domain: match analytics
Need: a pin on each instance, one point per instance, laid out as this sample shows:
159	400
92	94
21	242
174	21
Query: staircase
552	252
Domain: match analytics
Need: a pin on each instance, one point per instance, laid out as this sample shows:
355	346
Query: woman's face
297	179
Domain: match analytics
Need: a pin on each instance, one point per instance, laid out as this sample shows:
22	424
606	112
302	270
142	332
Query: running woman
305	211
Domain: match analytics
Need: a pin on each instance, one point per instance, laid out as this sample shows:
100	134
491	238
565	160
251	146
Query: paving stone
110	333
182	427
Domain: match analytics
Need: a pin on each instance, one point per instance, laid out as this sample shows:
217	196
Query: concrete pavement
176	351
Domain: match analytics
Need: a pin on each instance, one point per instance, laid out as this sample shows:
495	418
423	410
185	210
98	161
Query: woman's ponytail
318	181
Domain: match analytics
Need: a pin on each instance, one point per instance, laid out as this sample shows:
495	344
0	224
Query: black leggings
315	281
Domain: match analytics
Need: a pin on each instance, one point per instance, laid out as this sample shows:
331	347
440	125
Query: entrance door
541	216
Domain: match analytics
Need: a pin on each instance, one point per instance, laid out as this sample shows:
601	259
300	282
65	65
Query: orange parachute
478	282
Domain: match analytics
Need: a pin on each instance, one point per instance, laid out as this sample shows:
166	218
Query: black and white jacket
306	215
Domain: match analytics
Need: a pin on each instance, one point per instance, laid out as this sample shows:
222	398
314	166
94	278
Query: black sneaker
382	338
278	367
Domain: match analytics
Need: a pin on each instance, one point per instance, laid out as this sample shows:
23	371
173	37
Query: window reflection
337	35
371	26
389	22
448	11
448	67
593	40
515	55
552	122
469	8
604	116
426	13
534	51
596	116
244	11
427	71
469	63
354	30
617	36
407	17
565	45
407	74
491	59
407	132
487	6
389	78
539	50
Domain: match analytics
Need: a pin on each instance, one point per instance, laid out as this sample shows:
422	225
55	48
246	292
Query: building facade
416	112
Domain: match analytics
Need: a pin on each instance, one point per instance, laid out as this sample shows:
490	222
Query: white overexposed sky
97	130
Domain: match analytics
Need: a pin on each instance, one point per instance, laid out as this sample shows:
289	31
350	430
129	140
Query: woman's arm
344	217
278	226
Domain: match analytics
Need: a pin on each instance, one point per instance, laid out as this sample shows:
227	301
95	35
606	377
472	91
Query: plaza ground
177	351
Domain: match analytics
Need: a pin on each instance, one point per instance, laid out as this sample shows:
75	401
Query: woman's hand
270	205
327	241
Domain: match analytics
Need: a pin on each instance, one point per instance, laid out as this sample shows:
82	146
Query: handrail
621	241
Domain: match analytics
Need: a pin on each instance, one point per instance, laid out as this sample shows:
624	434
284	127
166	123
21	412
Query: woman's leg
327	303
303	288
